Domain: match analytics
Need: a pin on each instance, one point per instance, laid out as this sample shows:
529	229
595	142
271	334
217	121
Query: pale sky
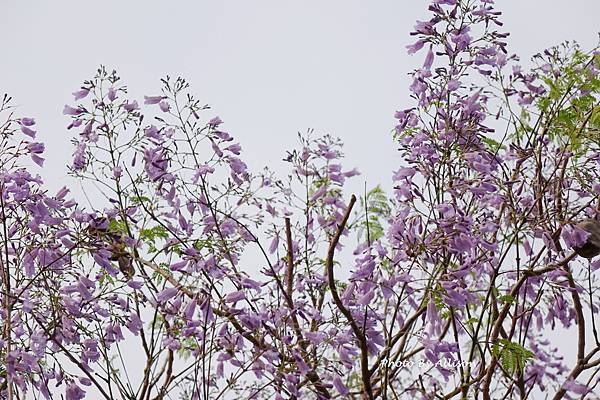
269	68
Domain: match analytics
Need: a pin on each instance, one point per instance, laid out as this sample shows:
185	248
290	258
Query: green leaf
507	299
375	207
512	356
492	144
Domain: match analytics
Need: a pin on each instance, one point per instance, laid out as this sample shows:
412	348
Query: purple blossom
112	94
216	121
235	148
79	159
37	159
404	173
74	392
35	147
237	166
167	294
164	106
134	324
153	99
68	110
428	60
80	94
413	48
178	266
27	121
274	244
575	387
574	236
234	297
131	106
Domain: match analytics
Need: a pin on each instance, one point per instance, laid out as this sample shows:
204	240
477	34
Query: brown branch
312	375
362	340
502	315
580	318
290	260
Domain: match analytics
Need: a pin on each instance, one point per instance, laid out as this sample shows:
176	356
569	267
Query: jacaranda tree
178	273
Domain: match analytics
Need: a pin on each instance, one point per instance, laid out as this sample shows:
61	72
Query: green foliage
570	102
512	356
188	344
150	235
117	226
406	132
139	199
492	144
157	276
375	206
507	299
154	233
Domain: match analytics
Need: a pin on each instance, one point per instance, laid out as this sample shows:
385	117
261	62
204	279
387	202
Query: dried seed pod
126	266
591	248
120	254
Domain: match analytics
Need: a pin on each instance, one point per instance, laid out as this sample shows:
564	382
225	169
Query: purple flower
235	148
224	136
156	163
136	285
74	124
164	106
424	27
234	297
35	147
80	94
167	294
453	84
74	392
237	165
79	159
404	173
351	173
461	38
129	107
152	132
574	236
367	298
413	48
112	94
68	110
153	99
216	121
339	386
575	387
37	159
303	367
28	131
462	243
134	324
315	337
202	170
190	309
319	193
428	60
178	266
85	381
274	244
27	121
448	2
248	283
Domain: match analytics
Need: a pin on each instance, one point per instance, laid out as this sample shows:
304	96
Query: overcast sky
269	68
